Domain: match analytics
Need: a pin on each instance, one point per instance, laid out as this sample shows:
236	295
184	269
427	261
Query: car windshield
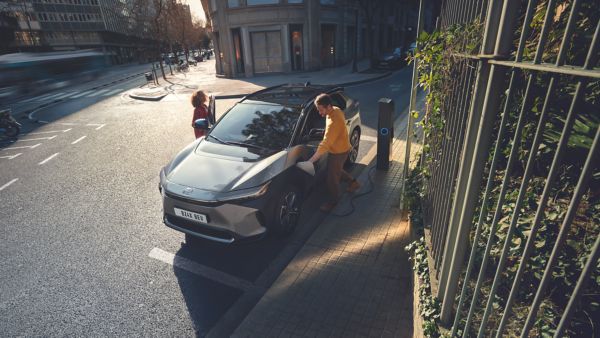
258	124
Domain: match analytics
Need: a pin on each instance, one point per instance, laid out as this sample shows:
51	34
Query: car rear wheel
287	211
354	142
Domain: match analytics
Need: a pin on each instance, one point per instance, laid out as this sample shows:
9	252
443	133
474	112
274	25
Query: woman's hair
323	100
198	98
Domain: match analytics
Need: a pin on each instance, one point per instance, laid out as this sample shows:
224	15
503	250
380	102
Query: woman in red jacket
199	100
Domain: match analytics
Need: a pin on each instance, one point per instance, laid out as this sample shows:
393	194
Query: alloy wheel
355	142
289	212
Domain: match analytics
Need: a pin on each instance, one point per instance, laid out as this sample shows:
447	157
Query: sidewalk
203	77
352	278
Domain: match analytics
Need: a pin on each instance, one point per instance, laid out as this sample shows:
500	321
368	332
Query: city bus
22	73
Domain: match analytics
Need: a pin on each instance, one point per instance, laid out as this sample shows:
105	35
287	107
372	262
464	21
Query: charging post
385	132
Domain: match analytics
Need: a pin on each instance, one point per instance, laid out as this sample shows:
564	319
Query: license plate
191	215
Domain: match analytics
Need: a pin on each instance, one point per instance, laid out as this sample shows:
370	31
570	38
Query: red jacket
200	113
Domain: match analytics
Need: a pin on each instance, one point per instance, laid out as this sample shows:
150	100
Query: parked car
241	179
411	49
392	60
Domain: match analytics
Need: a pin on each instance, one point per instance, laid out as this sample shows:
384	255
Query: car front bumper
226	222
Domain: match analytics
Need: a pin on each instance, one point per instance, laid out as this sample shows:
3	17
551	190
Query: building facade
55	25
253	37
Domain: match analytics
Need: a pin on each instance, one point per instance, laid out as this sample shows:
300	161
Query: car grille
192	201
199	229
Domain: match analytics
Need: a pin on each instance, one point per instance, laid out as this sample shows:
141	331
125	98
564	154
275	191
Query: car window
262	124
338	101
313	120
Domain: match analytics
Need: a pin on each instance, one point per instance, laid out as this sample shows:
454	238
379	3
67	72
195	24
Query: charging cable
370	190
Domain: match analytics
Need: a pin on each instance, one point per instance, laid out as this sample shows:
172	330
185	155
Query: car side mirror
201	124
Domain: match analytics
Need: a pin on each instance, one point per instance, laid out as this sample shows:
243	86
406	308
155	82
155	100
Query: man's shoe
327	207
354	186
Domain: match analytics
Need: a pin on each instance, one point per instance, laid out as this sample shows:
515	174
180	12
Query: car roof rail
262	91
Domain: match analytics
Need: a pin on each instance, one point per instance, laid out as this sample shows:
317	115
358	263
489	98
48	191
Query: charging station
385	133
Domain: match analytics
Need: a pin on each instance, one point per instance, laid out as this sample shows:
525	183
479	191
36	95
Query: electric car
241	180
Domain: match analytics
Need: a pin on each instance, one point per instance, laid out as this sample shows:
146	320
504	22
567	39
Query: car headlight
246	194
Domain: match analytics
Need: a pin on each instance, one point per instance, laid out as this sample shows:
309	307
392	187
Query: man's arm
331	133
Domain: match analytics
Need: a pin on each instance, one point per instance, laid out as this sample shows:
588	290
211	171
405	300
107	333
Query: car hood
221	168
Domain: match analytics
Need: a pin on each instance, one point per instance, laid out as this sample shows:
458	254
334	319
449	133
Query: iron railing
486	167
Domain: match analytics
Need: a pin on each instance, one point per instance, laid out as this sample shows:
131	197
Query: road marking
37	139
23	147
201	270
368	138
100	126
7	184
49	132
67	123
82	94
112	92
97	93
11	157
79	139
37	98
54	96
64	95
48	159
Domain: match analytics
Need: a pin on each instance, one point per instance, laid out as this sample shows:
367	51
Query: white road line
368	138
48	159
112	92
11	157
82	94
7	184
79	139
23	147
97	93
54	96
64	95
201	270
36	98
67	123
37	139
100	127
49	132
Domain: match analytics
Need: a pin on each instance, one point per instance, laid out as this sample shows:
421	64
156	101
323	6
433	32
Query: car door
211	109
316	123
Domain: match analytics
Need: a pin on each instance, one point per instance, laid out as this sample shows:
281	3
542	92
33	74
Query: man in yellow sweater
337	144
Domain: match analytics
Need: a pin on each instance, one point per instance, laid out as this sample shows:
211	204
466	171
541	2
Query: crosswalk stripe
82	94
97	93
64	95
36	98
112	92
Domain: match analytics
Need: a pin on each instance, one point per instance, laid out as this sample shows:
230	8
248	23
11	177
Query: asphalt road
84	248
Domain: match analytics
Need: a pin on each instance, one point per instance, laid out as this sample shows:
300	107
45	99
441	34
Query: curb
344	84
148	98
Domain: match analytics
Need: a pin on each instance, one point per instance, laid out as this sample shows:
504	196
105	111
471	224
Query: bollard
385	133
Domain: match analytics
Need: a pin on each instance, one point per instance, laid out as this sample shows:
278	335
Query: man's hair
323	100
198	98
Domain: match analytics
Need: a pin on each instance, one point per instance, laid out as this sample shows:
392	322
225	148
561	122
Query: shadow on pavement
258	262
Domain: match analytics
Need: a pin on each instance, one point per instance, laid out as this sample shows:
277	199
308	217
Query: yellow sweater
335	140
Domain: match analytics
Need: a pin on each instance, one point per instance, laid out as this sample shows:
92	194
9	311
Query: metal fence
515	172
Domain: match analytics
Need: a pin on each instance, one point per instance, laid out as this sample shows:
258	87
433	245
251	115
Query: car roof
291	94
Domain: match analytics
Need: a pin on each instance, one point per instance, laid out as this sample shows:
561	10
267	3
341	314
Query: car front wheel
287	211
354	142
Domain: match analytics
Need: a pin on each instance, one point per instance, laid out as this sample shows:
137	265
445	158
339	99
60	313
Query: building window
233	3
261	2
328	2
295	1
